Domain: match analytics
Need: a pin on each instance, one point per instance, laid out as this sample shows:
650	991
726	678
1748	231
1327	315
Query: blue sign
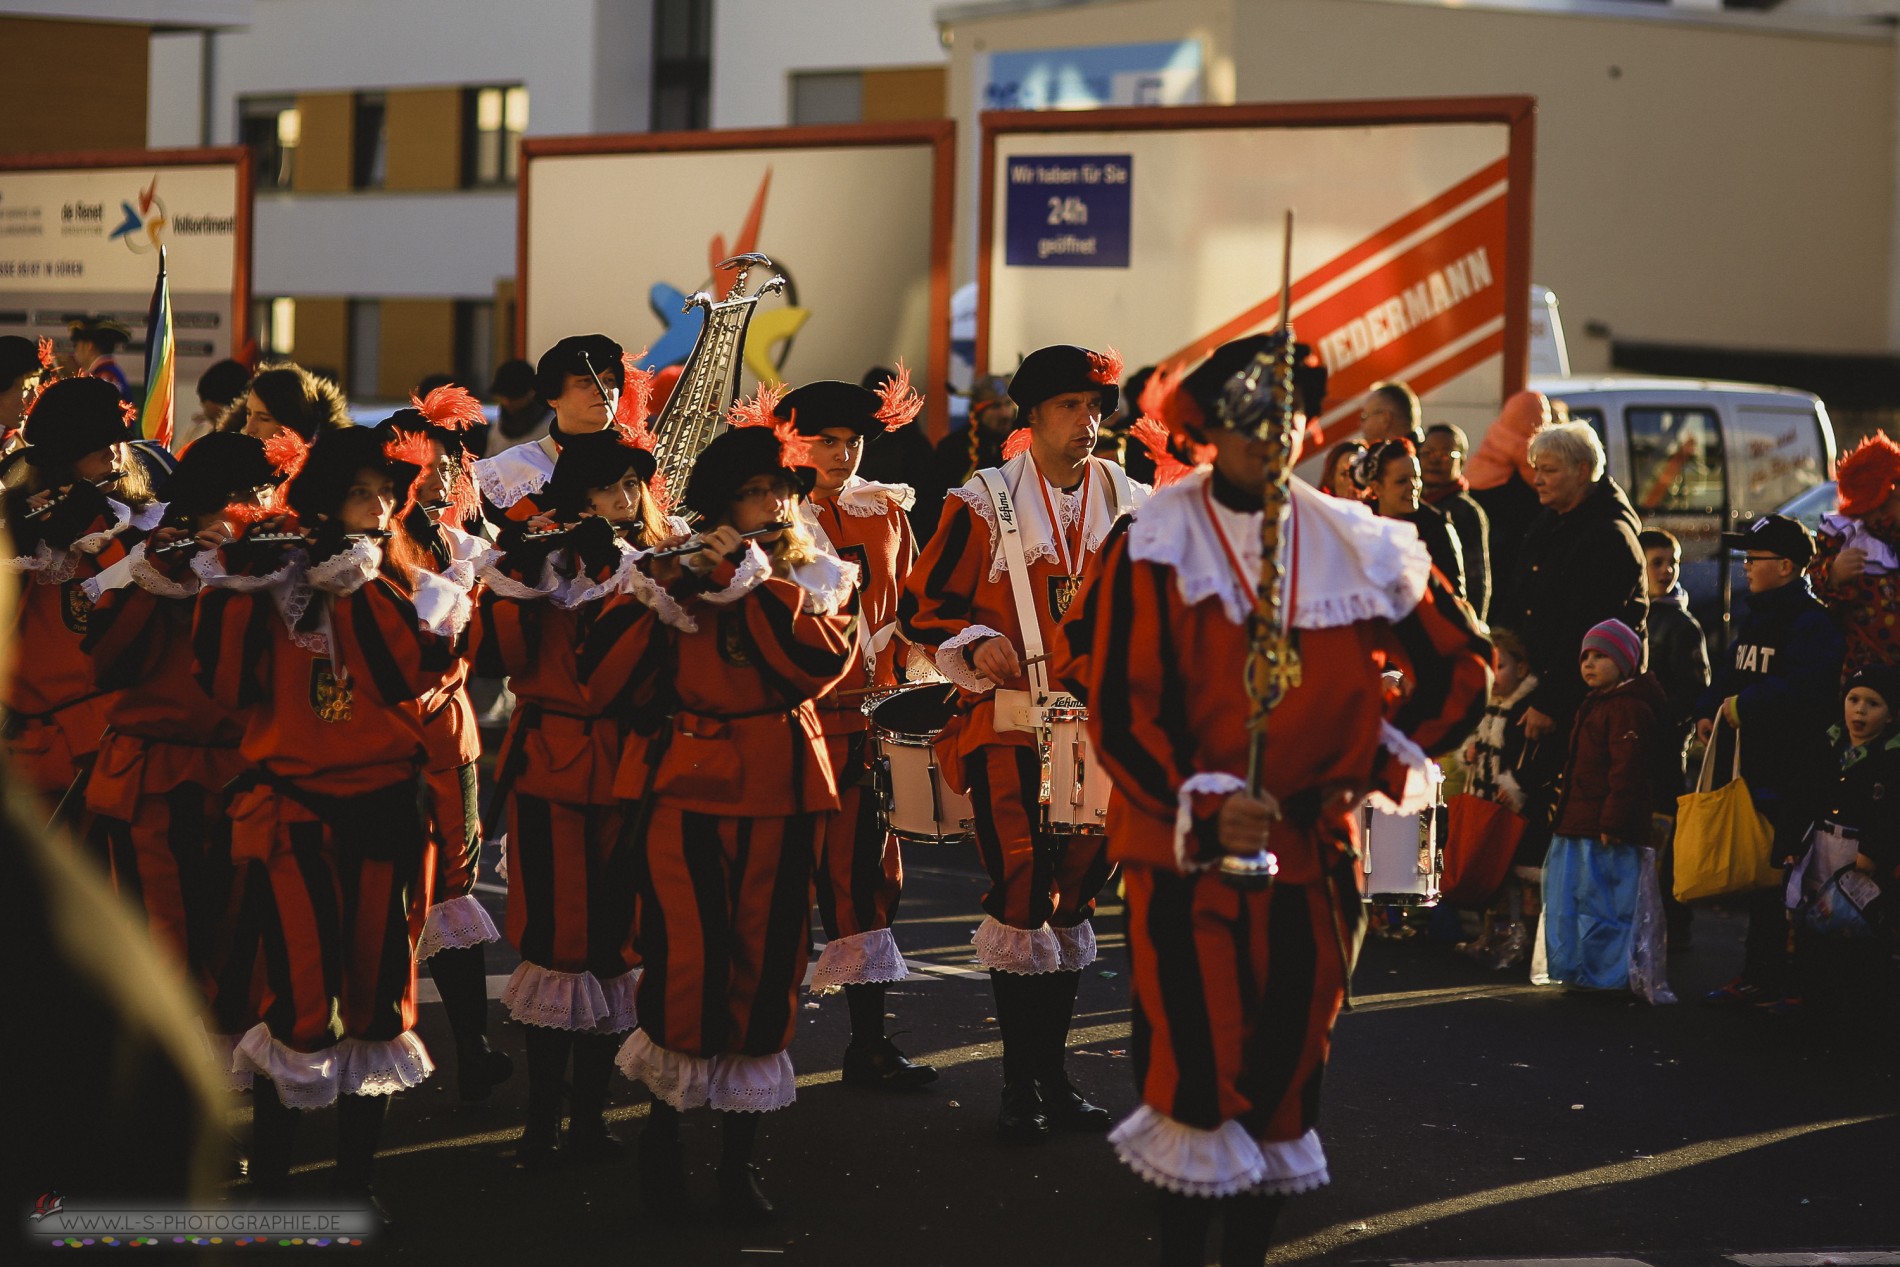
1068	210
1167	74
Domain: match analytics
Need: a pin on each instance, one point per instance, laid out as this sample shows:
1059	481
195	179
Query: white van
1698	458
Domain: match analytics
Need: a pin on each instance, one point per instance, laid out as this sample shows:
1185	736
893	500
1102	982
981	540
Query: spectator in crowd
95	339
1856	570
1777	689
1503	765
1441	461
966	450
1679	657
1600	887
524	415
903	456
292	397
1843	891
219	387
1337	475
1577	566
20	371
1390	471
1500	477
1390	412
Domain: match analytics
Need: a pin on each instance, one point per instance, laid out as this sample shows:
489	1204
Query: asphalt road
1468	1115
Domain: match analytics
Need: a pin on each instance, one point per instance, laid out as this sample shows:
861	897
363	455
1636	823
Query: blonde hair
795	546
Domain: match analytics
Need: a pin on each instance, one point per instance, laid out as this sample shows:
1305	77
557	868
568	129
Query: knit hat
1882	679
1618	641
1866	477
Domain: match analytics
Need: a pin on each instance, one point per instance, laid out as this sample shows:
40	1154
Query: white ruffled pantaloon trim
1223	1162
577	1001
354	1066
729	1084
1076	945
1026	951
857	960
456	924
221	1048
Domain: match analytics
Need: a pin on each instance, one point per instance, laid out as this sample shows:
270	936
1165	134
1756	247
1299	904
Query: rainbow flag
155	414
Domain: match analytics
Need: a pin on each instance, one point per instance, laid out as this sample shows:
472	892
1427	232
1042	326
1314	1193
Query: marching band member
430	433
564	377
860	873
66	529
986	596
574	989
156	792
732	790
326	644
1236	990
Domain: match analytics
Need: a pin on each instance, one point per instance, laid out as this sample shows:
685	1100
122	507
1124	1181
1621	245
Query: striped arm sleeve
939	593
231	641
807	653
622	655
380	638
122	635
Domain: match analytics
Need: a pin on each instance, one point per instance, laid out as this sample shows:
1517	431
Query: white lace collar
516	472
1351	565
827	581
866	499
1026	485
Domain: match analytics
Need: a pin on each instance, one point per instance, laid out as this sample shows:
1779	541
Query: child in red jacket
1602	902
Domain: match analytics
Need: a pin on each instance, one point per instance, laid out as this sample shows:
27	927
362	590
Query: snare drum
913	800
1402	857
1074	785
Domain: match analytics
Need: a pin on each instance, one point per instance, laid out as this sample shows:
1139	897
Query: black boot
461	977
1054	1009
1247	1229
741	1198
1184	1225
359	1124
662	1165
872	1060
547	1078
273	1135
1022	1119
588	1137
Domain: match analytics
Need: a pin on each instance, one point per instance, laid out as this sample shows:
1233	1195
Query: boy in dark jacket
1679	657
1777	689
1600	875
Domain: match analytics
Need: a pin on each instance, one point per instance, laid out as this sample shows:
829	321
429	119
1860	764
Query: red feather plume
1866	477
900	402
47	357
1106	367
1016	443
130	412
450	407
794	450
1153	437
757	411
286	452
636	402
241	515
417	450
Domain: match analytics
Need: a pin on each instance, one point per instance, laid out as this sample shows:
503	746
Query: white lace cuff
365	1067
153	581
1422	775
919	667
456	924
1026	951
557	1000
442	606
508	587
514	473
827	581
347	571
1076	945
654	595
858	959
619	992
729	1084
952	663
1207	783
582	590
38	561
208	566
304	1079
752	571
1222	1162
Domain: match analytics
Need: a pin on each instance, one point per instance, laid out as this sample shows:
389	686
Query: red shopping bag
1479	844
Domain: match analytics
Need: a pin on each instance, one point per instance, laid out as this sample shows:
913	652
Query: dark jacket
1785	670
1442	544
1679	657
1511	508
1573	571
1473	528
902	456
1865	799
1608	782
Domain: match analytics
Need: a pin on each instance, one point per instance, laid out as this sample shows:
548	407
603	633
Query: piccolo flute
273	539
562	530
696	545
104	481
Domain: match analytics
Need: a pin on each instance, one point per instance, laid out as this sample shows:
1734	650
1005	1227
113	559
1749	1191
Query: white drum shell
1402	860
1074	785
916	803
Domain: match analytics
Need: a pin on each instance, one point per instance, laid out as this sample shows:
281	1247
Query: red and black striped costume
860	873
328	816
736	784
556	768
1042	886
1236	992
156	796
55	710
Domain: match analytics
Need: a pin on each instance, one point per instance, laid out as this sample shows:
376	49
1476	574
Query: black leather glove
82	507
524	559
597	546
330	539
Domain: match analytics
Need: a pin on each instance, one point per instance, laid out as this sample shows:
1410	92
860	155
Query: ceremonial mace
1259	402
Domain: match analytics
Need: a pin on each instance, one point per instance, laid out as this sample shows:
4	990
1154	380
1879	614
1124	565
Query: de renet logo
144	227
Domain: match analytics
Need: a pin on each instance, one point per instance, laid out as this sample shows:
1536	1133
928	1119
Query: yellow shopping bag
1723	843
